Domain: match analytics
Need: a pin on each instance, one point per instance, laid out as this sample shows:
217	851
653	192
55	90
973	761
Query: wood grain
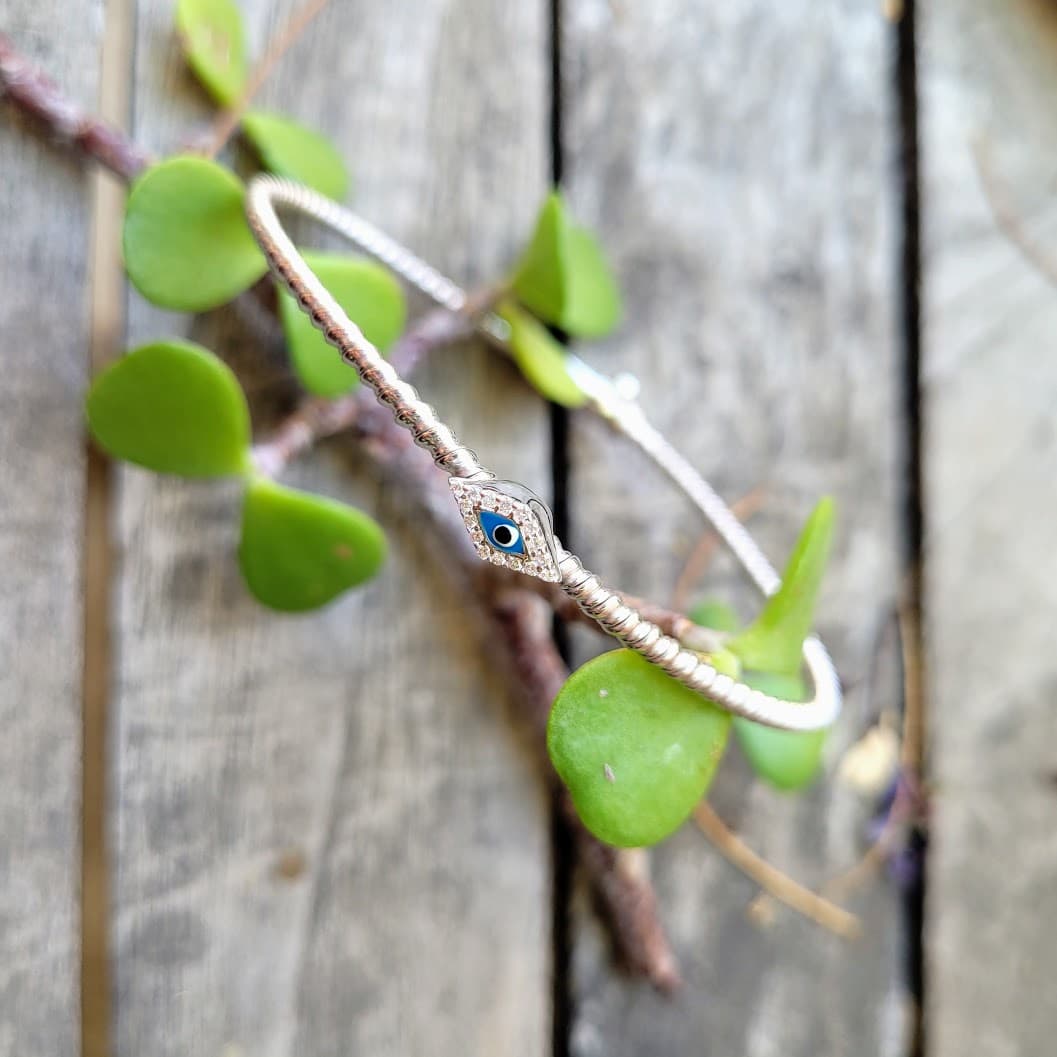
328	839
44	324
736	160
989	79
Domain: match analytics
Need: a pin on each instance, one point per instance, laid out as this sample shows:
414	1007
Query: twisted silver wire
596	599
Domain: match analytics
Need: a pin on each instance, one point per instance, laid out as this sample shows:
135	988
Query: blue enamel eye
501	532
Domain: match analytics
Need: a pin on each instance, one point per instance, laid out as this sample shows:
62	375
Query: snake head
509	525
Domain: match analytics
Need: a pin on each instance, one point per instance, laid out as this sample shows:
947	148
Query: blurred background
226	831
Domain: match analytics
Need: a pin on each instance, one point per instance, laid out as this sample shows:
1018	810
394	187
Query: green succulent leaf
789	760
563	277
291	150
540	358
186	242
300	551
172	407
214	43
636	749
371	298
773	642
712	613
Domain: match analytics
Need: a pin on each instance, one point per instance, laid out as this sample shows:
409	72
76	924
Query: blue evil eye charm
509	526
501	533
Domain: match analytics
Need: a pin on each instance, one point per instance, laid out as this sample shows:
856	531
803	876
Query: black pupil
503	535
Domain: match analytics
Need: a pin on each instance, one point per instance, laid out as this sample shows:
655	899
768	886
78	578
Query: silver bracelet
509	524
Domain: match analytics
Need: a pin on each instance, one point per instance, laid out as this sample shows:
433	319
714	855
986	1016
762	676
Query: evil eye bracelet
509	524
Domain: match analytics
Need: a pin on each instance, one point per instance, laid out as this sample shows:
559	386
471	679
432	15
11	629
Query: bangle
509	524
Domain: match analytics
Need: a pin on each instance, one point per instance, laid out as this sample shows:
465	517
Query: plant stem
1006	217
513	609
772	880
706	547
229	119
517	622
33	94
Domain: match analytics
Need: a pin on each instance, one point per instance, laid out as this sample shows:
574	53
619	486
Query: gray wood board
989	78
370	738
44	328
737	161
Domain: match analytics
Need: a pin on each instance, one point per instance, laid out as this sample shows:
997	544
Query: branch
229	119
772	880
619	876
671	622
317	418
515	621
1007	218
703	552
514	613
38	98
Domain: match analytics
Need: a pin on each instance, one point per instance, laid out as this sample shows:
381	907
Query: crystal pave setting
496	513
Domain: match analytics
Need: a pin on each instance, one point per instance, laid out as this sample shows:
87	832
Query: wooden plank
989	75
45	205
365	740
736	161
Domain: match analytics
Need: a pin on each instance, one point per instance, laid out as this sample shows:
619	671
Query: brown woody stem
229	119
516	619
39	98
515	615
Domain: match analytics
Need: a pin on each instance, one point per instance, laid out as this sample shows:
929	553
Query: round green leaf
636	749
787	759
173	407
291	150
371	298
186	241
563	278
540	358
300	551
214	43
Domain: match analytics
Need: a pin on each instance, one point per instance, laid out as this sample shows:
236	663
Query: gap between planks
910	292
106	331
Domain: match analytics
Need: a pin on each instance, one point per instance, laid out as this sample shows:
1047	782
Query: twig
909	804
520	625
772	880
702	554
316	419
35	95
619	876
229	119
1006	217
517	622
670	621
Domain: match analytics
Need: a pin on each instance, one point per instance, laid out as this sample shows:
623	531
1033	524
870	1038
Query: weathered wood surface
44	347
367	739
989	80
736	159
325	837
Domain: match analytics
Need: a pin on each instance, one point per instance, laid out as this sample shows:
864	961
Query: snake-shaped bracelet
509	524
